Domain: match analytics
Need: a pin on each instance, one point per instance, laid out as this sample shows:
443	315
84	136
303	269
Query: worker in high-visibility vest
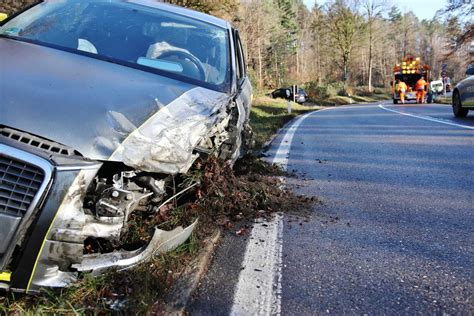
420	88
401	88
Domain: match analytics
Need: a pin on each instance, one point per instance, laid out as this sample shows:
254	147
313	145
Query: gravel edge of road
180	295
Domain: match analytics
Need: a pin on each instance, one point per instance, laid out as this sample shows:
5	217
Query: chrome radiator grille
19	184
24	179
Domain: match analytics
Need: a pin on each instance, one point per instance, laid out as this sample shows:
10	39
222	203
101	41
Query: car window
129	33
470	71
239	53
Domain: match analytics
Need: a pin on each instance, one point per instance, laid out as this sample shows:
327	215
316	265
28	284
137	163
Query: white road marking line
427	118
256	292
259	287
368	106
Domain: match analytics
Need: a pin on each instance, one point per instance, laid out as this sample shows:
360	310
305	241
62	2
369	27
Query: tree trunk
277	71
345	61
297	66
260	77
318	60
370	58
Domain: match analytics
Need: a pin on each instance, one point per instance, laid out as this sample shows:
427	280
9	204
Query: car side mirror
3	16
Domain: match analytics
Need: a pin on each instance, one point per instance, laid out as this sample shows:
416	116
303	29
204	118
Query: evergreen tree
288	21
394	14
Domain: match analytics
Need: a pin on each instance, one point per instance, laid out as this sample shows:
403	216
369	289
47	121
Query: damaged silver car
102	104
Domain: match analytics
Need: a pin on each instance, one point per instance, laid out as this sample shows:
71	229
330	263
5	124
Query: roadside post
293	90
443	76
288	99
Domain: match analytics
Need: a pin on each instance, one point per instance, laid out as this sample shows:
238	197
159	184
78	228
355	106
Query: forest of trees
356	42
349	42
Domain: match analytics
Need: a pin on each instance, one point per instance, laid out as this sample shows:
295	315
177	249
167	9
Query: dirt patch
254	189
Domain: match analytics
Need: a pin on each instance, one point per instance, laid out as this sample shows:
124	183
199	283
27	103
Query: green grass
268	115
344	100
382	96
360	99
443	100
339	100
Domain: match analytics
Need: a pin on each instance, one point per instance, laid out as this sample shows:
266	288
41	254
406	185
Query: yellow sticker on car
5	276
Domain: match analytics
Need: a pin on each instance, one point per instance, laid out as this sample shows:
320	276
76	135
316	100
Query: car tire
395	101
457	106
429	99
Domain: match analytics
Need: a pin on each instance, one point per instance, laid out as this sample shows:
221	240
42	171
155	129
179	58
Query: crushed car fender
63	247
165	143
64	241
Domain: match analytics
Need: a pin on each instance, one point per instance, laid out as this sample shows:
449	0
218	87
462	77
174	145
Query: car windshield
131	34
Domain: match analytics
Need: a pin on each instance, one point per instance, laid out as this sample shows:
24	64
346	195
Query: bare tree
373	9
344	23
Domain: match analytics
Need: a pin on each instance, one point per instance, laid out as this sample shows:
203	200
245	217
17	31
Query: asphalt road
395	231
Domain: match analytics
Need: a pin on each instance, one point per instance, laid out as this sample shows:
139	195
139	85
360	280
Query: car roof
183	11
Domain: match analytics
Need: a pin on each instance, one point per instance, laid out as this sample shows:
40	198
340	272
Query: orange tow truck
410	70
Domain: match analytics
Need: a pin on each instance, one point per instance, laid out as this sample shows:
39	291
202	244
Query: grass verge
268	115
344	100
443	100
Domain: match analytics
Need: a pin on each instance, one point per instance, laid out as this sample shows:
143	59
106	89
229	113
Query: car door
467	89
244	87
276	93
240	133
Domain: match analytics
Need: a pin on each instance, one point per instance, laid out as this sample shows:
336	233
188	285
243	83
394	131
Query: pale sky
424	9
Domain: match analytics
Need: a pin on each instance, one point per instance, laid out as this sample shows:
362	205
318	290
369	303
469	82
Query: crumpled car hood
94	106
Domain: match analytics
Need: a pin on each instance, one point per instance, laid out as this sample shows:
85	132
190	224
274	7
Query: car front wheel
457	106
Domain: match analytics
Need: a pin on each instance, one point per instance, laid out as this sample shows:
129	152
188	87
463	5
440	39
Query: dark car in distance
287	93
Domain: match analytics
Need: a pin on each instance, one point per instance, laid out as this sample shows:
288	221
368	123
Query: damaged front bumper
47	218
62	214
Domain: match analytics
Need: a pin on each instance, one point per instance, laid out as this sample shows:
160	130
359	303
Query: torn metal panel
58	254
238	130
64	252
161	242
109	228
166	142
105	217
